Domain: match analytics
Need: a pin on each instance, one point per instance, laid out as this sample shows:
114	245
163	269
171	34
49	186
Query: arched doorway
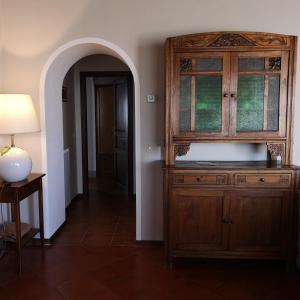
52	77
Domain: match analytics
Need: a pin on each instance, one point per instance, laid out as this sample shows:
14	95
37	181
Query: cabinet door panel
259	94
197	219
202	94
258	221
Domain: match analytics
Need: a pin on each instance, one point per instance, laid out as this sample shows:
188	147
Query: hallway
106	219
94	256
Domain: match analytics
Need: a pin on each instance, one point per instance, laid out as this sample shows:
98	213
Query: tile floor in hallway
94	256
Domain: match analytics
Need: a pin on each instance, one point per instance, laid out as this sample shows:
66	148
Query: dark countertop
229	165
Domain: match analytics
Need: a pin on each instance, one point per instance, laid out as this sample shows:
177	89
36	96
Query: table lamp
17	115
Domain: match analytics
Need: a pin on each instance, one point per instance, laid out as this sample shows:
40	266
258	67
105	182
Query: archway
52	77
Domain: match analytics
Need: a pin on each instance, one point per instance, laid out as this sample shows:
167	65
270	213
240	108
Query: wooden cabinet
230	87
239	215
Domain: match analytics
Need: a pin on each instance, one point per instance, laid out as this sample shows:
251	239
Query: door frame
84	129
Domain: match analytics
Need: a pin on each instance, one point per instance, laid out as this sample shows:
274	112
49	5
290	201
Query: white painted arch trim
53	73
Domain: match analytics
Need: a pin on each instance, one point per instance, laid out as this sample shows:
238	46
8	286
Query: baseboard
74	199
37	242
149	243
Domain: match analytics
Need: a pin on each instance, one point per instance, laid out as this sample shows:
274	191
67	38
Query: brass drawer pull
261	179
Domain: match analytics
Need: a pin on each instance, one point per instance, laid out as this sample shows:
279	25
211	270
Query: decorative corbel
276	150
181	149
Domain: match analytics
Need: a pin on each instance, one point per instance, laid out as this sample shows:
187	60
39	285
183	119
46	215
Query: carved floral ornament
241	179
276	150
185	64
284	179
275	63
221	179
181	149
231	39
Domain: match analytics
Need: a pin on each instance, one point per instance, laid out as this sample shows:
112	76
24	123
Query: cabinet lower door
196	219
257	222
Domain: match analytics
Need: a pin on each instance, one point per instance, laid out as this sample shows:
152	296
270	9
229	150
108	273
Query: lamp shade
17	114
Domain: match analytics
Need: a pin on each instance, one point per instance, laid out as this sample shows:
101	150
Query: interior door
258	94
202	93
257	221
121	134
104	107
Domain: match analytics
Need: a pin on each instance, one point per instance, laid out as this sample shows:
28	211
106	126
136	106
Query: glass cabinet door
202	93
258	94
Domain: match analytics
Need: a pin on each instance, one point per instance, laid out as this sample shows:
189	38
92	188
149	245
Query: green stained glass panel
209	64
208	103
185	103
273	103
250	103
252	64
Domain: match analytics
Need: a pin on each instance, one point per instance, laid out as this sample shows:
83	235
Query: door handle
233	95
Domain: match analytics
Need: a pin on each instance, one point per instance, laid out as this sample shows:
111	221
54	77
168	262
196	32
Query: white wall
140	28
1	58
1	45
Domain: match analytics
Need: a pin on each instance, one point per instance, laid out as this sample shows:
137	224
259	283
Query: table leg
41	212
16	212
12	213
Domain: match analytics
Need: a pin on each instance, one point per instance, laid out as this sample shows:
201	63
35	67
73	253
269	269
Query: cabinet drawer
201	179
263	179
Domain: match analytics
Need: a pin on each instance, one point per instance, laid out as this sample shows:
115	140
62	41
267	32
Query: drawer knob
261	179
198	179
227	221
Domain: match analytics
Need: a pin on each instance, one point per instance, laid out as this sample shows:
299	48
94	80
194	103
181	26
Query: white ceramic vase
15	165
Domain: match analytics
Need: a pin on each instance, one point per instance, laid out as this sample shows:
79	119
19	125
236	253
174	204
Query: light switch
151	98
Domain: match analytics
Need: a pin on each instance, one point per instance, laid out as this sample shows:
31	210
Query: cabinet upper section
238	94
234	86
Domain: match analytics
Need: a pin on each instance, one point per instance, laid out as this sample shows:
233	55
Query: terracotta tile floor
94	256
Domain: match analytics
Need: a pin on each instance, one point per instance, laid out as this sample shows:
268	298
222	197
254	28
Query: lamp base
15	165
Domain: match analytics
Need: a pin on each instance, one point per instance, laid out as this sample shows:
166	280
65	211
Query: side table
14	193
